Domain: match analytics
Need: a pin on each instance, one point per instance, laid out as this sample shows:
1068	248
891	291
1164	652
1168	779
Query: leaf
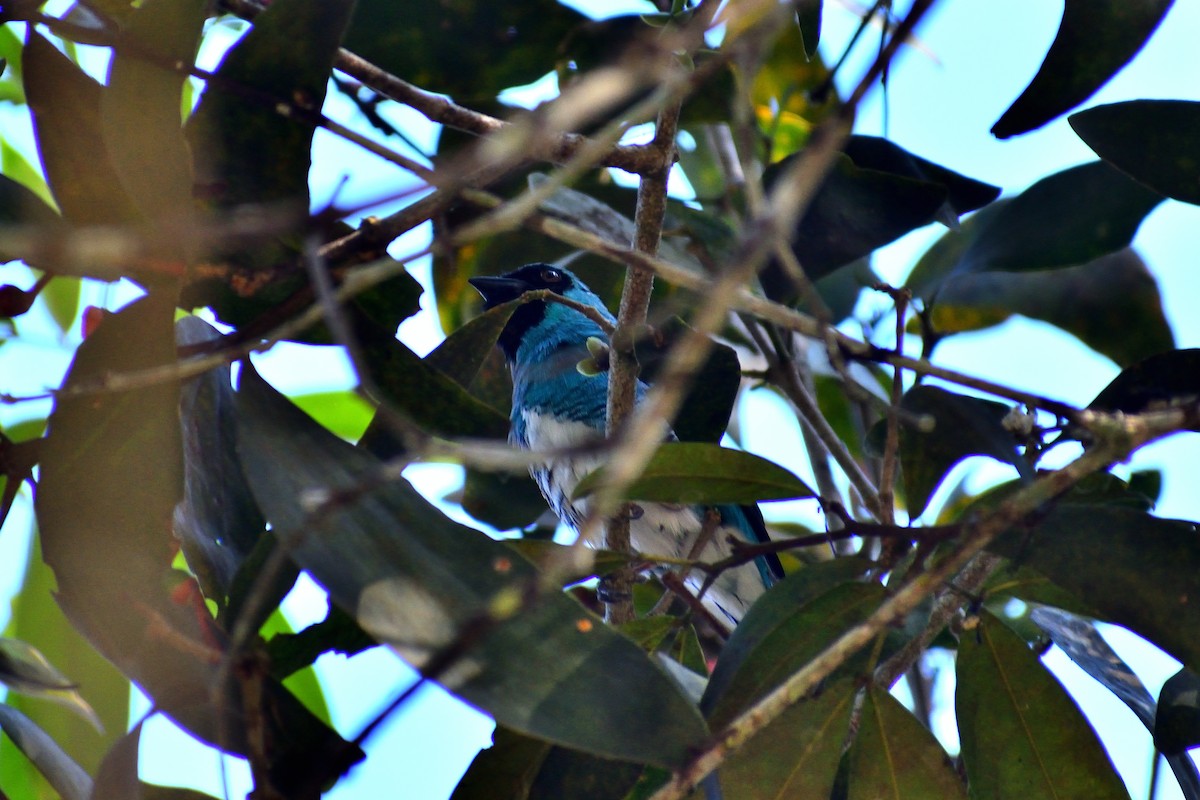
1094	41
786	635
1111	304
808	13
67	777
37	619
464	48
61	297
217	522
1176	727
1022	734
66	118
504	771
502	499
1151	141
1157	382
963	426
896	756
552	671
796	756
345	413
117	778
139	110
695	473
24	669
286	57
462	353
1129	567
111	466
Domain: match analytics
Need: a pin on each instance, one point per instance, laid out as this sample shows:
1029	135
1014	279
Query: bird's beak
497	290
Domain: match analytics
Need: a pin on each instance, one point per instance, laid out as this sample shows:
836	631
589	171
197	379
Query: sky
943	96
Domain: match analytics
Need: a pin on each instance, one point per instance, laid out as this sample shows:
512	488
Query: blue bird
556	406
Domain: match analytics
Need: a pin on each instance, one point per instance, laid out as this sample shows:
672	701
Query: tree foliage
175	510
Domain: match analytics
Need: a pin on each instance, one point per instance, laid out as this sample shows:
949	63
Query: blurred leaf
797	623
217	522
1176	728
1095	39
1151	141
781	92
285	57
543	552
1111	304
67	777
700	473
117	778
705	409
66	119
1157	382
1068	218
552	671
464	48
1022	734
37	619
111	466
808	12
345	413
139	109
504	771
462	353
24	669
337	633
796	756
303	681
1131	568
61	297
502	499
963	426
581	776
18	168
896	756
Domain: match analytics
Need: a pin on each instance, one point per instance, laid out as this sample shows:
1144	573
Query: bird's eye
550	275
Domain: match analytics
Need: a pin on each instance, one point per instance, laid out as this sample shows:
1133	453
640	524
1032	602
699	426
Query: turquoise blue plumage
556	406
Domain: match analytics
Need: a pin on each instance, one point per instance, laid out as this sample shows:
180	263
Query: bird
560	407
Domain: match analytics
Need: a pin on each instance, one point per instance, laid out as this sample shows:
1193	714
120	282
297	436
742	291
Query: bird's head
540	326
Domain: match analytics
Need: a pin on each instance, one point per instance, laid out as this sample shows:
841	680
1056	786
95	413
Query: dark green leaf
552	670
1177	725
1129	567
337	633
963	426
502	499
1158	382
808	12
700	473
1068	218
581	776
66	115
1152	141
285	58
20	205
1022	734
67	777
786	636
705	410
465	48
1096	38
218	522
1111	304
139	109
796	756
895	756
504	771
462	353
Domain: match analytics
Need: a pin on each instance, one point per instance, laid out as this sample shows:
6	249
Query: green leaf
66	118
139	110
37	619
18	168
551	671
1111	304
963	426
796	756
61	297
111	466
1022	734
286	57
1126	566
469	49
346	413
808	13
700	473
796	624
24	669
461	354
1176	726
1152	141
896	756
1068	218
1095	39
504	771
67	777
502	499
